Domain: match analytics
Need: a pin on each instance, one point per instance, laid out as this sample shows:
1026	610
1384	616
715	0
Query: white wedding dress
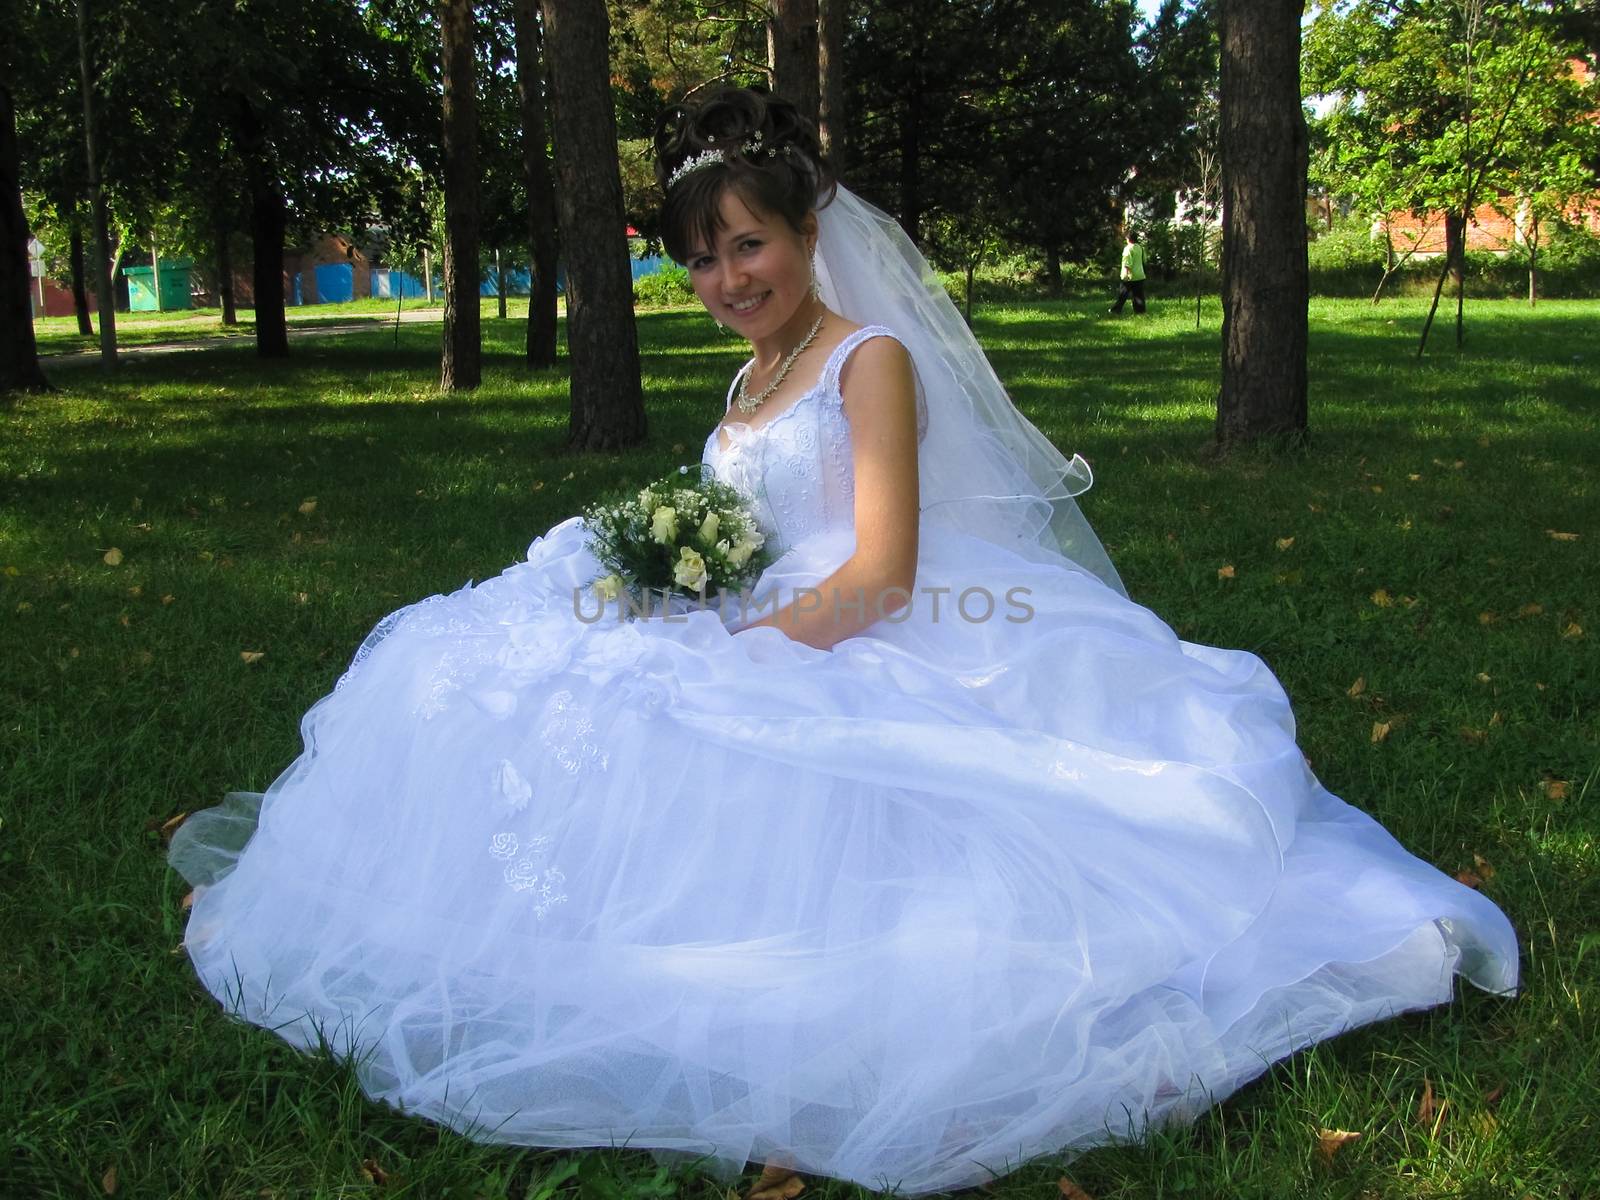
957	893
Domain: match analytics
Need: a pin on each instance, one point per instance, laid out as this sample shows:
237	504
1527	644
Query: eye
748	242
696	264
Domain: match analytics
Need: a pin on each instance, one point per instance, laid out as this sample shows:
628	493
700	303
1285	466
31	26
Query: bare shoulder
879	367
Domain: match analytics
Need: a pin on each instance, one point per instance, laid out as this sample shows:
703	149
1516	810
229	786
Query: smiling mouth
750	305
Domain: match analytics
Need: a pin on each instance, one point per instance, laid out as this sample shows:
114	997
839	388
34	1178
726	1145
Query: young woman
948	856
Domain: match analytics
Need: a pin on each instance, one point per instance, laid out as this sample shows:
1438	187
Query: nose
734	277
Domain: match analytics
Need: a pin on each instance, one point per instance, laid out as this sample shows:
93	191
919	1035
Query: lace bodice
796	469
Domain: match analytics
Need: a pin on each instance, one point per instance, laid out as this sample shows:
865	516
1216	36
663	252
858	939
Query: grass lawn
1423	580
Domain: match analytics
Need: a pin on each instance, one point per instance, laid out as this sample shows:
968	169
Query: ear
809	229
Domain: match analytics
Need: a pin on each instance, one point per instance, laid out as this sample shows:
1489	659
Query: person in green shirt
1132	276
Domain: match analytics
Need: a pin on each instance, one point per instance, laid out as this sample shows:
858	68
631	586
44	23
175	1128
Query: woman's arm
879	391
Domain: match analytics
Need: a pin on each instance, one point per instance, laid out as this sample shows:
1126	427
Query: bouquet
678	536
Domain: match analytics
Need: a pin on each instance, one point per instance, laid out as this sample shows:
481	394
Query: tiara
710	158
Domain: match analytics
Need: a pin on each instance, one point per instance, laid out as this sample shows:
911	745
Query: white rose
690	569
664	524
708	528
607	588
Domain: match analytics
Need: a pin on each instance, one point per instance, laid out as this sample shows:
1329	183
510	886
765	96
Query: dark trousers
1130	287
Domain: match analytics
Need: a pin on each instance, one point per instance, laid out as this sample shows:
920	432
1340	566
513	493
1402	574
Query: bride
946	856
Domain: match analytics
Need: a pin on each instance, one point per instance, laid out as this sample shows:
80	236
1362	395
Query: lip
745	312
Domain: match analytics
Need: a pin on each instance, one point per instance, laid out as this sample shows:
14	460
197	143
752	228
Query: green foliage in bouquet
686	534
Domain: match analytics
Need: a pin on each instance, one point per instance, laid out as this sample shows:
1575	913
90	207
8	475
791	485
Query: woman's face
758	273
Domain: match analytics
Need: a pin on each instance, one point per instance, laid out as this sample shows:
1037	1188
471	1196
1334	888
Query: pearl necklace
747	405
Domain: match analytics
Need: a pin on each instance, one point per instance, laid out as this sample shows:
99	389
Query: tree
831	21
607	404
461	368
541	342
1265	278
792	54
19	354
1437	105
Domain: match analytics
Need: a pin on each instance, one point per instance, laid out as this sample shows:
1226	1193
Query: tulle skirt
957	893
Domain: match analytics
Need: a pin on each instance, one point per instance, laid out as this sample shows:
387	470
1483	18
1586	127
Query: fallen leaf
170	825
538	484
302	597
373	1172
1573	630
776	1183
1562	537
1377	487
1483	677
1555	789
1487	618
1484	868
168	599
307	506
113	558
251	656
1494	1094
1495	719
1469	879
108	1181
1413	478
1530	610
1469	734
187	902
1380	730
1226	572
1331	1141
1382	598
1427	1106
1070	1190
1356	688
1284	543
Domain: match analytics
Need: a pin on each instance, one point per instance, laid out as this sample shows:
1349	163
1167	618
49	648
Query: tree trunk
607	403
80	293
1052	269
830	81
230	315
1265	285
541	344
1455	236
267	224
911	170
19	353
792	54
105	298
461	368
499	287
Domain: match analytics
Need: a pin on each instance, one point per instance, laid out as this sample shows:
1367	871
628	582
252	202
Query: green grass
125	700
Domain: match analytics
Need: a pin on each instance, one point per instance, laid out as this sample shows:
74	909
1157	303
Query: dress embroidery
567	735
525	872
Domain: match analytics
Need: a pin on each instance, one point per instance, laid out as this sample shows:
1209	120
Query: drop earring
816	284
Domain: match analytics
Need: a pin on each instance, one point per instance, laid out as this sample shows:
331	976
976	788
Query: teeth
747	305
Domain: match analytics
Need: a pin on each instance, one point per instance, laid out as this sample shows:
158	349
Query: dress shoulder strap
734	386
834	367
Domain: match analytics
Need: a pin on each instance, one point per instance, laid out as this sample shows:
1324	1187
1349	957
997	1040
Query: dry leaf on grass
307	506
252	656
1331	1141
1555	789
187	902
1469	879
112	557
1070	1190
1562	537
776	1183
108	1181
1226	572
1380	730
1356	688
1428	1105
1284	543
1382	598
371	1172
1573	630
1530	610
170	825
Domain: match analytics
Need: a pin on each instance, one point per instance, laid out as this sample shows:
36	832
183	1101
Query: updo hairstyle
771	158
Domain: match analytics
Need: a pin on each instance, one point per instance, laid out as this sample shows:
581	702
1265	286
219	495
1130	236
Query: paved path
420	316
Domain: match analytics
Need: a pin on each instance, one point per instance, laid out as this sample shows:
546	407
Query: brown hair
771	158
